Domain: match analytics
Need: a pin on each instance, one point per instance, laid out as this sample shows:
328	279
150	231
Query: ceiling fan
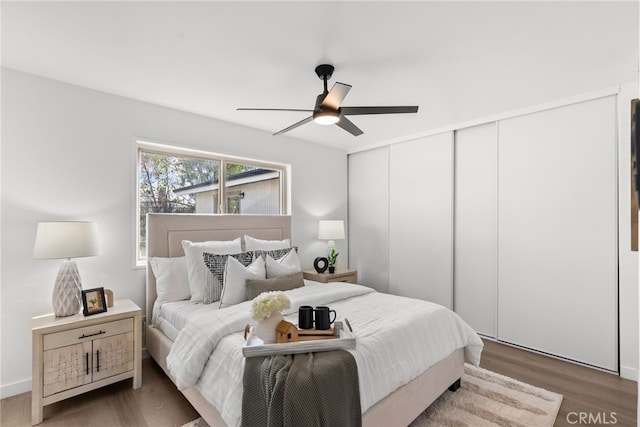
328	109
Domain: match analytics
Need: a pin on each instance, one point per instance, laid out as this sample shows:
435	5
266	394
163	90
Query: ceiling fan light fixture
326	117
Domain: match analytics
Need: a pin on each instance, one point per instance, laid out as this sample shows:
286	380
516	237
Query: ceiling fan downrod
324	72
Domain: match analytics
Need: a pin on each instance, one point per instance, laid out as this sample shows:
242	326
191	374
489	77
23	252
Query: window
177	180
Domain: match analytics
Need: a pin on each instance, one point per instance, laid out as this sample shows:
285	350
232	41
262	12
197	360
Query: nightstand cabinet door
66	367
112	356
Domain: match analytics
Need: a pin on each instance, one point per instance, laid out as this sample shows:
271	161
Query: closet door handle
86	361
97	360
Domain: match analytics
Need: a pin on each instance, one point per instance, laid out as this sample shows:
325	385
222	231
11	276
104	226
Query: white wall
69	153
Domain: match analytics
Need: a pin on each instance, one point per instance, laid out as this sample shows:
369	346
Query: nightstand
76	354
341	275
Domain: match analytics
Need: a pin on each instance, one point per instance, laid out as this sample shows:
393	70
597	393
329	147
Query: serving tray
342	339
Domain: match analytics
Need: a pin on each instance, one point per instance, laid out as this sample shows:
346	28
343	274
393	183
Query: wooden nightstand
76	354
341	275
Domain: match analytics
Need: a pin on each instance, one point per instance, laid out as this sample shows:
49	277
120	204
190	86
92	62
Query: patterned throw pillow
214	278
275	253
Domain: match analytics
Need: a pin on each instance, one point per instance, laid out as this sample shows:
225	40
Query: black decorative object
321	264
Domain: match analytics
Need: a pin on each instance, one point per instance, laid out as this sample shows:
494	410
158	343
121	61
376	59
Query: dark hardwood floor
158	403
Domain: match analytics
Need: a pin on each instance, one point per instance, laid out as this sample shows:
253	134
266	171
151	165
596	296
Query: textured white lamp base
67	290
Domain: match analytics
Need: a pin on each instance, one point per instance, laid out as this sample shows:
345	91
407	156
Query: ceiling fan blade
295	125
271	109
355	111
336	95
348	125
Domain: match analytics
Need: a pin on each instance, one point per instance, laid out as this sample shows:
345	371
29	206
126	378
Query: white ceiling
457	60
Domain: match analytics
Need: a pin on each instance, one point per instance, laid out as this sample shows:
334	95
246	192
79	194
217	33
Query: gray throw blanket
310	389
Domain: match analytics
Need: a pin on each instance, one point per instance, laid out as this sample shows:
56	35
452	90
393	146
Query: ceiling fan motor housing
324	71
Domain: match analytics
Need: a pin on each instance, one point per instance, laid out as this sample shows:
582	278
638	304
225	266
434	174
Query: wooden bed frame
164	235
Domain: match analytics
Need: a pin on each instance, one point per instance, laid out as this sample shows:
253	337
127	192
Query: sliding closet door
369	217
420	219
557	255
475	227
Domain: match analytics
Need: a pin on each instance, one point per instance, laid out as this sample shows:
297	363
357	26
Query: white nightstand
76	354
341	275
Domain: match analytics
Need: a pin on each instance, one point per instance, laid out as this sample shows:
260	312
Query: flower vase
266	328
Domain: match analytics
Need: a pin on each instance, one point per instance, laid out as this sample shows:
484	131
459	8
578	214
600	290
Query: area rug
485	399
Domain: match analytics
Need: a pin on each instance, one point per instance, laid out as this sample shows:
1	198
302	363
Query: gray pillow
283	283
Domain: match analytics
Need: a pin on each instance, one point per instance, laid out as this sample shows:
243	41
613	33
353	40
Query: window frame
173	150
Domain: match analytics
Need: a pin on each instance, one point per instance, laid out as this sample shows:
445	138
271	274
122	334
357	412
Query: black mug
322	317
305	317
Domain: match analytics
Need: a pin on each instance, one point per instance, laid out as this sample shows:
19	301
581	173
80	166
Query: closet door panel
557	232
475	226
369	217
420	219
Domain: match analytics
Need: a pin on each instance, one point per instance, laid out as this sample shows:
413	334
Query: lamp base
67	290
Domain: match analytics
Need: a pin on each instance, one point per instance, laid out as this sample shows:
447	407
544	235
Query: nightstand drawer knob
91	335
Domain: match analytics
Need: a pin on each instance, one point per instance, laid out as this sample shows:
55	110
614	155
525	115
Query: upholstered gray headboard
165	233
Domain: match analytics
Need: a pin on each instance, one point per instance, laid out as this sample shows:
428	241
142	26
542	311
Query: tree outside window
176	183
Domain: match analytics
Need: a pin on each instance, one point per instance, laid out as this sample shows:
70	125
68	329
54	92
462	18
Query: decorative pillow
253	244
195	267
214	277
288	264
172	282
275	253
283	283
235	278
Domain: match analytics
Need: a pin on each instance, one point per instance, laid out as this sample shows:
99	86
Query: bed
398	407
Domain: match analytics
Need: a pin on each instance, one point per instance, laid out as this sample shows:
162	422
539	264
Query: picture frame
93	301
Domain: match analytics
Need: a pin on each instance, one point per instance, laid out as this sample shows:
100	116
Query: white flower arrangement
265	304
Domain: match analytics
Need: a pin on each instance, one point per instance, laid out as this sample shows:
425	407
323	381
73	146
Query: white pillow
288	264
253	244
195	262
235	280
172	283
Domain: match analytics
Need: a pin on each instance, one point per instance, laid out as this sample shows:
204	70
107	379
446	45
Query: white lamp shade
331	229
71	239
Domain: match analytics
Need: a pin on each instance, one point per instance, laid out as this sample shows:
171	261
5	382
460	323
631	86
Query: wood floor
585	390
606	397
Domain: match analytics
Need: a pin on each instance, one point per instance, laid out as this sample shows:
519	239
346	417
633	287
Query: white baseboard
629	373
19	387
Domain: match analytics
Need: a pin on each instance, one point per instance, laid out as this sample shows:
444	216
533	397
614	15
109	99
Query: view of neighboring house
252	192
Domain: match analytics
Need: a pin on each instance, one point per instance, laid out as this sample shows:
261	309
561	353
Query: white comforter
397	338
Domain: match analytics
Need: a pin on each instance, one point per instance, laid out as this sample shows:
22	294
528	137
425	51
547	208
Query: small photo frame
93	301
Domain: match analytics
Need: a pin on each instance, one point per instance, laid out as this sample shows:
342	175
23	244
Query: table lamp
66	240
331	230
